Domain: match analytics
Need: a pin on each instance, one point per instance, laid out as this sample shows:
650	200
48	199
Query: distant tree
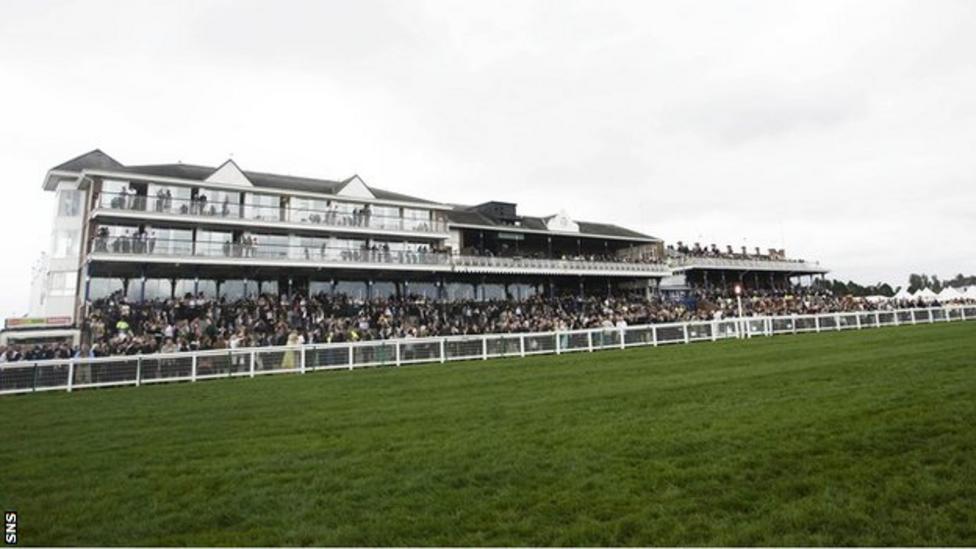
915	282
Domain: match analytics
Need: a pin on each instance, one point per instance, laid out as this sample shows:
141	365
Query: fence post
931	320
714	329
252	363
71	376
816	322
302	358
877	319
793	323
962	313
684	330
484	347
350	357
857	320
193	368
138	370
654	335
622	338
837	321
589	341
557	343
443	354
522	345
396	350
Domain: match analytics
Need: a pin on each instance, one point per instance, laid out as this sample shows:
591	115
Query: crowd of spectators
115	326
680	249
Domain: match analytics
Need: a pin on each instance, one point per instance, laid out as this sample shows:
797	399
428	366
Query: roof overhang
54	177
643	240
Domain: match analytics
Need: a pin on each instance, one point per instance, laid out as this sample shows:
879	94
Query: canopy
926	294
904	294
951	293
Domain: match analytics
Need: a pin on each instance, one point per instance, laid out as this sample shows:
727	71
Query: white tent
969	291
904	294
926	294
950	293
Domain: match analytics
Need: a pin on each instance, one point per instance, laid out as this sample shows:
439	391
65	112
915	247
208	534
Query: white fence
51	375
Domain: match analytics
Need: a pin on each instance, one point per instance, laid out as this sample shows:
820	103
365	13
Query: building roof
91	160
466	215
264	180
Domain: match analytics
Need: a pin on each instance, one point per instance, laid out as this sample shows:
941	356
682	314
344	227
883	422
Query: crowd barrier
83	373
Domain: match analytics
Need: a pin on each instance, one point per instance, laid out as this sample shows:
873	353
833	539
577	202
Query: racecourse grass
853	438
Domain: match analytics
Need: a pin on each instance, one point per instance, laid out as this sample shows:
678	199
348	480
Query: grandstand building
159	231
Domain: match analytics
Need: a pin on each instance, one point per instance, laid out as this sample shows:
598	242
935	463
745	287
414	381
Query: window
214	243
104	287
416	220
169	198
263	207
69	203
61	284
65	243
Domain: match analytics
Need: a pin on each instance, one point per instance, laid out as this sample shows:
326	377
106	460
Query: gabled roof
263	180
91	160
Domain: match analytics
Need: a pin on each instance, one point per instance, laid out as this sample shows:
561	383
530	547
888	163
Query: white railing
693	262
52	375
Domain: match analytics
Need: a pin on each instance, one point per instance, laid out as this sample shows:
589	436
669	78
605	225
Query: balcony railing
201	209
745	263
316	253
143	246
478	262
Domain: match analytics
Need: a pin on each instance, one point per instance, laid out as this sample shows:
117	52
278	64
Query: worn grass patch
863	438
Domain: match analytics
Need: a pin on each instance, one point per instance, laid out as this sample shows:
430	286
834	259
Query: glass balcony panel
268	208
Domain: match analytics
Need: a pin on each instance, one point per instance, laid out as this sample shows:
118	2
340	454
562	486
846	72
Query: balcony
682	263
360	220
324	256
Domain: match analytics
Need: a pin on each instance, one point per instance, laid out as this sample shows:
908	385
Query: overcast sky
842	131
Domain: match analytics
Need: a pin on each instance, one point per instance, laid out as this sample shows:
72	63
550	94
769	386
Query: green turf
859	438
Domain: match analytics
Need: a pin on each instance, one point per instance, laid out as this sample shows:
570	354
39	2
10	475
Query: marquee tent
904	294
926	294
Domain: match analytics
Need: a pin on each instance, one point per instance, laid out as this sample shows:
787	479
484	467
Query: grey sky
842	131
